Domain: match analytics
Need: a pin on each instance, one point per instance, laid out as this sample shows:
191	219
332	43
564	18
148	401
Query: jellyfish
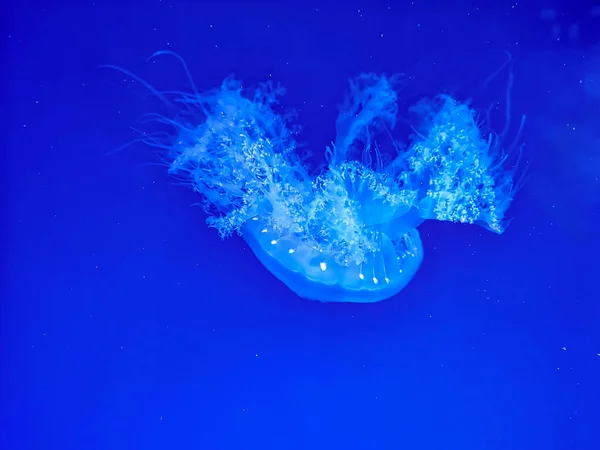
349	231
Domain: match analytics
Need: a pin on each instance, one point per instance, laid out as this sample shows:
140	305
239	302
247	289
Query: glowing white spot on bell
291	250
387	280
255	218
400	270
375	280
264	230
273	242
361	276
323	266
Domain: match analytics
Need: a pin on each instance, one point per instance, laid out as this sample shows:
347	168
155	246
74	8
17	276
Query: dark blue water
127	324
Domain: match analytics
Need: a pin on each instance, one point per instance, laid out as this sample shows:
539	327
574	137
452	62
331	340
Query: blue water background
127	324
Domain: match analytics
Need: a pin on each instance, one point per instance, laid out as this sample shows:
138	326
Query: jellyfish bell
316	275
